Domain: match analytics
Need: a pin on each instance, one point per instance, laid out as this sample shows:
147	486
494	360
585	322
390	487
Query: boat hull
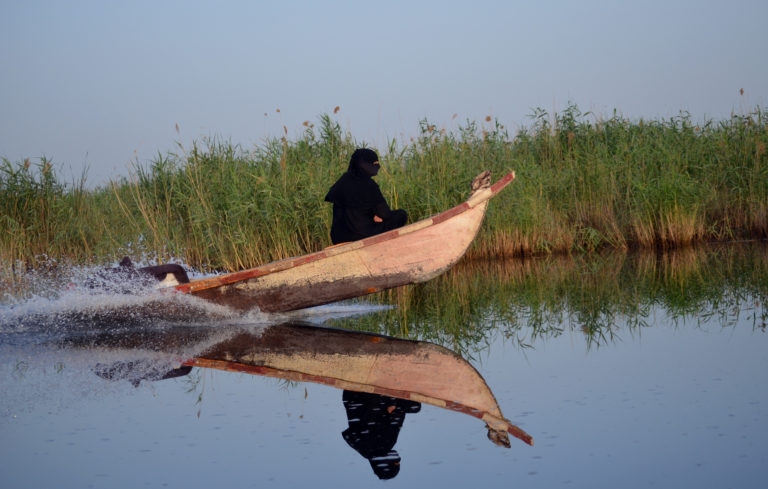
414	257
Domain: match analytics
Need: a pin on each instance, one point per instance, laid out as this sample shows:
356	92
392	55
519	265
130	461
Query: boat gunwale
478	197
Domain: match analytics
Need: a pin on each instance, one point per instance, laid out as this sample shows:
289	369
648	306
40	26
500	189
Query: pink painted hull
415	253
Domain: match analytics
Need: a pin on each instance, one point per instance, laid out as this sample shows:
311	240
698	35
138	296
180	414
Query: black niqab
362	162
356	188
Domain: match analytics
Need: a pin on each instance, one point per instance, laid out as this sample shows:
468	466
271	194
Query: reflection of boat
349	360
362	362
411	254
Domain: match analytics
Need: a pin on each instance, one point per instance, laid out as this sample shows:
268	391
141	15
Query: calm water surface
629	372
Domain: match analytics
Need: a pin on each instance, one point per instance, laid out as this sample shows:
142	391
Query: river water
626	370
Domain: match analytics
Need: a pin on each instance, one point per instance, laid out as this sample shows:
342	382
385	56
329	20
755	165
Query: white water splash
90	299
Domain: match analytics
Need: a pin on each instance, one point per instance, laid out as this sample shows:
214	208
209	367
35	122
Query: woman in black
359	208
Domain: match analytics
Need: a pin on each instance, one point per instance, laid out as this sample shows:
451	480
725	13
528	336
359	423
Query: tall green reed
222	207
41	217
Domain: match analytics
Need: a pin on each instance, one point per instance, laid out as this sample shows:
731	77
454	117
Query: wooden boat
411	254
363	362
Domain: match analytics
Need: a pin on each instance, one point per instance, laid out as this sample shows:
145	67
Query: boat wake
114	306
84	301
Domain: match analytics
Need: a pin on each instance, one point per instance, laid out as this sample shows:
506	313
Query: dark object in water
162	273
121	277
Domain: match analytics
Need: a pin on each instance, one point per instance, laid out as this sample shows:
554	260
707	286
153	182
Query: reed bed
584	183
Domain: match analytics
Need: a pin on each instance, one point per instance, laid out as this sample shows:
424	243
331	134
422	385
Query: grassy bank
583	183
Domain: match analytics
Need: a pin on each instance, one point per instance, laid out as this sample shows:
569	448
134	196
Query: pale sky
104	83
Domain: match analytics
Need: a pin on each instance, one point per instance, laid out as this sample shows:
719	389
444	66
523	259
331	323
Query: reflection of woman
374	423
